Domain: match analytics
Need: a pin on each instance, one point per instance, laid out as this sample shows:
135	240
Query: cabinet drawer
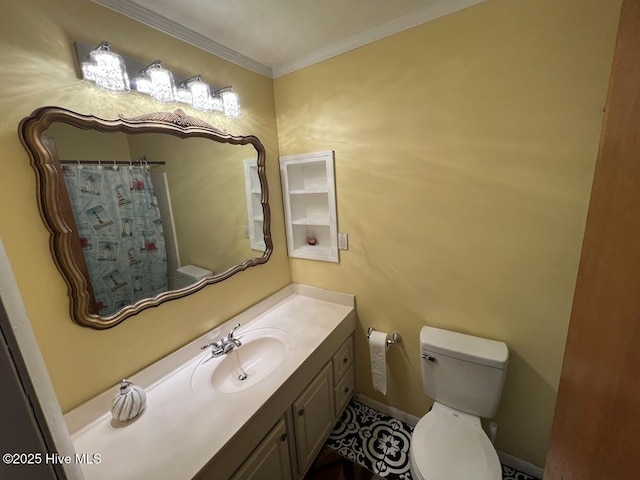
343	359
344	391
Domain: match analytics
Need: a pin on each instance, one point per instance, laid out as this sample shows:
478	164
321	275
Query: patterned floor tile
509	473
381	443
377	441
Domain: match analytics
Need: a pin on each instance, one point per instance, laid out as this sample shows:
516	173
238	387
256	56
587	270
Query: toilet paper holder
392	338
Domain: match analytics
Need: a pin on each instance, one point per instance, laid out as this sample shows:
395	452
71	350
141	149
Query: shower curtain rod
112	162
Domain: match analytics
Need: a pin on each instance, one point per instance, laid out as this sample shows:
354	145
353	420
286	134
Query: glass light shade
230	104
89	71
215	103
110	72
162	86
142	85
183	95
200	95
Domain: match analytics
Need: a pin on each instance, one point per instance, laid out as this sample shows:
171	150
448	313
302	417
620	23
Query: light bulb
162	86
200	95
230	104
106	69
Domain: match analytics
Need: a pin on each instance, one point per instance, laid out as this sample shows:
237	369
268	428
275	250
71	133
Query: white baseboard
387	409
505	458
521	465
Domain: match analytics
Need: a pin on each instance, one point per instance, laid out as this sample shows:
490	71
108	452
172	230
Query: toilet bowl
451	445
464	375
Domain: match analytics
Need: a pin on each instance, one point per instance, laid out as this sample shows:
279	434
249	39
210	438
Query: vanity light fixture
157	82
106	69
109	71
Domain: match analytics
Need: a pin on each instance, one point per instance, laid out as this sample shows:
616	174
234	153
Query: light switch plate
343	241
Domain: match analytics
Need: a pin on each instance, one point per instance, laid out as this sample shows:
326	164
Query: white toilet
464	375
188	275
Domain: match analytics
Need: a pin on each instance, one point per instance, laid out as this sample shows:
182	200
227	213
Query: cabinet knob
345	360
301	412
283	438
346	390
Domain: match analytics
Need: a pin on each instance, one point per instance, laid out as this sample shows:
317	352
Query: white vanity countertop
179	431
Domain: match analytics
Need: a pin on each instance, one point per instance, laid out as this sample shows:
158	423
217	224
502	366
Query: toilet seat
450	445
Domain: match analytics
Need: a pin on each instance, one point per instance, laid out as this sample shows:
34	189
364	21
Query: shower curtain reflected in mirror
120	230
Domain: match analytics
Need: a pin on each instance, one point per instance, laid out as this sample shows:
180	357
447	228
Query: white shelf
308	190
312	221
314	252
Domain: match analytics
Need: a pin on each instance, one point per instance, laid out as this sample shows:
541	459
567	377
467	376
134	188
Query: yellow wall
38	68
75	144
464	152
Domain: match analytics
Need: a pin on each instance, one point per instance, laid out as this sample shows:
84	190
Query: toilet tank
462	371
187	275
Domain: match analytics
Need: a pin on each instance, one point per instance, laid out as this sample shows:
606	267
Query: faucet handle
230	335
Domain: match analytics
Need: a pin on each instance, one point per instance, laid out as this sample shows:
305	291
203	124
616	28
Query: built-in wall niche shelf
308	190
255	218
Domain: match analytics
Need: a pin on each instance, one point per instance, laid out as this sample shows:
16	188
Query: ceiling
276	37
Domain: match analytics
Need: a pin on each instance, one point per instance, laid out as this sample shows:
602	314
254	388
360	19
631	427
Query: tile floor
369	445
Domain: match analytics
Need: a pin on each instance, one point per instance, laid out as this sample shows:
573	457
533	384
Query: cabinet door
270	460
313	414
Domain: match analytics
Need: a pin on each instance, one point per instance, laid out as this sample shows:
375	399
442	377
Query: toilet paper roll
378	352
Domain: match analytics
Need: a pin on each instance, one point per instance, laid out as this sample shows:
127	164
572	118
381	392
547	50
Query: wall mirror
147	209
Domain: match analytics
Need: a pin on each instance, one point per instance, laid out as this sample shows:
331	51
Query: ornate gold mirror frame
55	207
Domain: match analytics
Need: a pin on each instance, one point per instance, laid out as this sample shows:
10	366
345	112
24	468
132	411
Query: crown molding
142	14
152	19
436	10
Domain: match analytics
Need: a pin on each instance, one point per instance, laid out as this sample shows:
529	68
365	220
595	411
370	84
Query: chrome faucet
224	345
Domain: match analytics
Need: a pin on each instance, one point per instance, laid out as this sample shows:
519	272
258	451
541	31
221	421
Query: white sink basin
263	351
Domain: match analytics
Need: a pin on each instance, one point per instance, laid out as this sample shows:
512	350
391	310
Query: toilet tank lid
194	272
477	350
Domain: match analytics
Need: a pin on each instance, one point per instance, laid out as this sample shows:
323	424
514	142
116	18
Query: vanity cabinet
308	190
270	460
